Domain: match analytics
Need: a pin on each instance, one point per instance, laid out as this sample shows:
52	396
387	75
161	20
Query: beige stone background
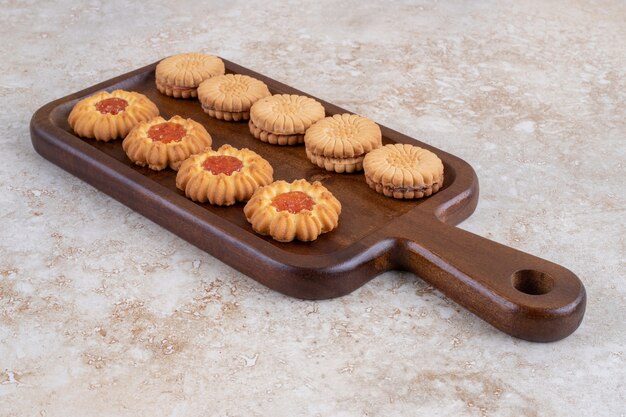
103	313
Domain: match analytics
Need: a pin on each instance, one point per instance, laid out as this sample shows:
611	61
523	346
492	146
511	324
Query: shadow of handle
518	293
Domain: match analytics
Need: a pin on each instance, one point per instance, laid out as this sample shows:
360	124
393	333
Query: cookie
107	116
223	177
403	171
158	143
180	75
229	97
339	143
282	119
298	210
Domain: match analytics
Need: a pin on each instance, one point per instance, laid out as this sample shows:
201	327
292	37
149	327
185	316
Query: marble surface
104	313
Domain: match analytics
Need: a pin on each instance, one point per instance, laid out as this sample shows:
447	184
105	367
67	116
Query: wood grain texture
520	294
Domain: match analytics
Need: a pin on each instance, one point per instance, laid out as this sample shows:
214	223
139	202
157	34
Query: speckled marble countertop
104	313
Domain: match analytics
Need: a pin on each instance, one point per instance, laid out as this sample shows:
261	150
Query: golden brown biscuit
282	119
223	177
229	97
299	210
403	171
339	143
106	116
180	75
158	143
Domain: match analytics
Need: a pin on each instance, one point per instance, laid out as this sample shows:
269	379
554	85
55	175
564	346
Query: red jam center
293	202
167	132
222	164
112	105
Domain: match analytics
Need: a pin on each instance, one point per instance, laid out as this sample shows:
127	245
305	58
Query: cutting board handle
520	294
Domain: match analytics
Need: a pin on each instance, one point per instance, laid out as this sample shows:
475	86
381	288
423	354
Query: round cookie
299	210
223	177
158	143
340	142
403	171
282	119
106	116
180	75
230	96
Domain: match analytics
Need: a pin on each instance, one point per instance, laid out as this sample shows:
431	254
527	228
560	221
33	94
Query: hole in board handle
532	282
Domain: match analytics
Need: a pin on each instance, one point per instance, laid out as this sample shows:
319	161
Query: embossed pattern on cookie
230	96
282	119
180	75
403	171
340	142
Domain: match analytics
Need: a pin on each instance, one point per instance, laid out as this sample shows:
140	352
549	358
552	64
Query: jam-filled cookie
339	143
299	210
180	75
282	119
230	96
158	143
106	116
223	177
403	171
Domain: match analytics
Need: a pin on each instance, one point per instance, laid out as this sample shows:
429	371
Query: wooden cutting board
518	293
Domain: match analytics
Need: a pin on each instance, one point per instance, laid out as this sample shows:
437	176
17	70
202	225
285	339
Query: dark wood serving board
518	293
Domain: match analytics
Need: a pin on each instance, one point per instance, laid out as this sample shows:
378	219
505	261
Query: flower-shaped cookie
282	119
106	116
158	143
229	97
223	177
180	75
339	143
403	171
299	210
